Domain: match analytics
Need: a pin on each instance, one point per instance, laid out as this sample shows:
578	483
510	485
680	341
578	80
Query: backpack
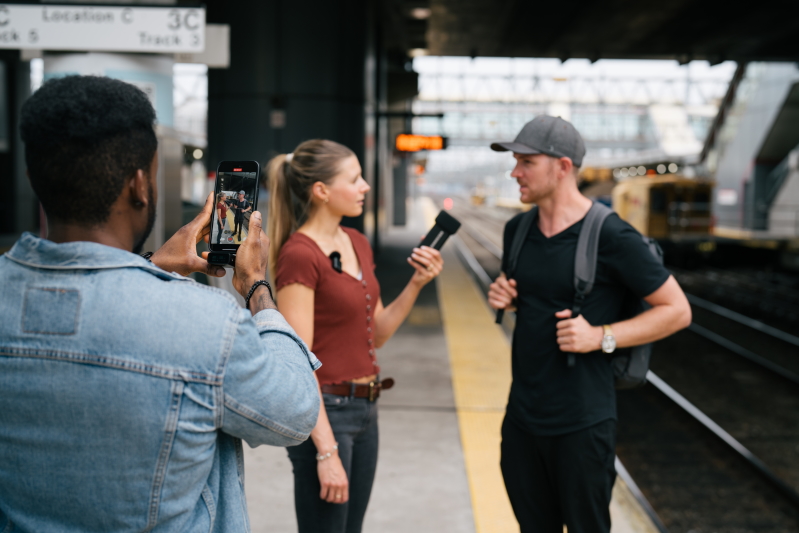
630	365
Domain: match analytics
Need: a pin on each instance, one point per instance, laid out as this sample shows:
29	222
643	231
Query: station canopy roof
684	30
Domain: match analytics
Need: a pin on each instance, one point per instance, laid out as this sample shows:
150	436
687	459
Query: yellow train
669	207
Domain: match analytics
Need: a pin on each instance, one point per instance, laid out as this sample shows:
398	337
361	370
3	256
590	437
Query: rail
728	439
744	320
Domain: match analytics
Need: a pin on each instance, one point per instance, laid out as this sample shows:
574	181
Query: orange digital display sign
415	143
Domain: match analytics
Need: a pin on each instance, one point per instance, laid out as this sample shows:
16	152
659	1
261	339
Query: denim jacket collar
36	252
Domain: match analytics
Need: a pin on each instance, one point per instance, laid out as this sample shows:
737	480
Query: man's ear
138	188
566	166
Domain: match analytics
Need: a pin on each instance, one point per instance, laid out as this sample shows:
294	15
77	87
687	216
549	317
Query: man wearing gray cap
559	432
240	206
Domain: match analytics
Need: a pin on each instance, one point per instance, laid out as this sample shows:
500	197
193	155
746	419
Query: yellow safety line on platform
479	356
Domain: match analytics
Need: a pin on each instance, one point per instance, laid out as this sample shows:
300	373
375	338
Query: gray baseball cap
242	192
552	136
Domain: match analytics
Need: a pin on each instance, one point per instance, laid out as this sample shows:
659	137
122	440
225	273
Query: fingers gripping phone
235	199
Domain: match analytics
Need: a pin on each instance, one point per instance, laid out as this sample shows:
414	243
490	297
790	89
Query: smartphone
235	199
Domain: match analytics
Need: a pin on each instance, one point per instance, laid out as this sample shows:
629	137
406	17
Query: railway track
714	443
769	298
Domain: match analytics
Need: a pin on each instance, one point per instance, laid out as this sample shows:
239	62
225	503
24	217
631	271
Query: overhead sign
407	142
102	28
217	48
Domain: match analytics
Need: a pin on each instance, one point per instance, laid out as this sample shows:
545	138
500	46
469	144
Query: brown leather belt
359	390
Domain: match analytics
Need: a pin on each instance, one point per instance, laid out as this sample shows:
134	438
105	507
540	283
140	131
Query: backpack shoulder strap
585	258
512	255
519	237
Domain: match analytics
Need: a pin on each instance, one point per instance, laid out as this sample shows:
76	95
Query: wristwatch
608	341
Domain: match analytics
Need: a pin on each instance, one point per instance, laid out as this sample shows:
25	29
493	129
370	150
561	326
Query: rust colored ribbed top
344	306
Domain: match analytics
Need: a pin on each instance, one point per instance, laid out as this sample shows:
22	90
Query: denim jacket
125	391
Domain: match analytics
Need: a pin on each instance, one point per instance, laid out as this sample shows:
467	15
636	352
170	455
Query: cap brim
514	147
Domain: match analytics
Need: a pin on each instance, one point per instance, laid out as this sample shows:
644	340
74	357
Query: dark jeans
219	227
563	479
238	221
354	423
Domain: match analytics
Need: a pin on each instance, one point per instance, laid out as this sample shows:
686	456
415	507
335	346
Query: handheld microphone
335	259
445	226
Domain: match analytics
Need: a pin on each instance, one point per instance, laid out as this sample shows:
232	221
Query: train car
667	208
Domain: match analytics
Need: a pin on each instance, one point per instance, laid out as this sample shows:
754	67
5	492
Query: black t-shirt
240	206
547	396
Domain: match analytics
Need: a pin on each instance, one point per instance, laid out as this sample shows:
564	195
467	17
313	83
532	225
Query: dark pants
238	221
354	423
564	479
219	233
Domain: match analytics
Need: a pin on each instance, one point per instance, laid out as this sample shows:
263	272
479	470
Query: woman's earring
327	200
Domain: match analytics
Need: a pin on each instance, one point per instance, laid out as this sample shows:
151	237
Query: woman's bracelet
322	456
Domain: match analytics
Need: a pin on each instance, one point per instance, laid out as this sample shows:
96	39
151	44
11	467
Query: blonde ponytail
281	220
290	182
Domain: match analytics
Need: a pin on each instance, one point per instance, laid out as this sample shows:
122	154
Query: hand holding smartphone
235	198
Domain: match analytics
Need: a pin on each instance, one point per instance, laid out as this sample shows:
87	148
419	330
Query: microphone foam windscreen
447	222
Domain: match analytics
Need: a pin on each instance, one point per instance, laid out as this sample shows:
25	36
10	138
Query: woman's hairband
289	157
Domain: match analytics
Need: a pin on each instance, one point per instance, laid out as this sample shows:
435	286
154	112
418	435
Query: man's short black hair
84	136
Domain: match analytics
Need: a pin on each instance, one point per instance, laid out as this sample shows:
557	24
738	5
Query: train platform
438	467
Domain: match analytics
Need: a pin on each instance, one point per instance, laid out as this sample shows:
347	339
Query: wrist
321	456
599	334
250	281
155	258
416	284
162	263
255	300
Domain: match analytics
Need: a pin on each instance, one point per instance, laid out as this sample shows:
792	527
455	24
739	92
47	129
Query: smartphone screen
235	199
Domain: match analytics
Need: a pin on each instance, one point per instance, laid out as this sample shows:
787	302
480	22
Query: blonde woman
221	215
339	314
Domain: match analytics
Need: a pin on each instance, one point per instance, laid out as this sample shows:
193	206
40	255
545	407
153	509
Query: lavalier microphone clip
335	259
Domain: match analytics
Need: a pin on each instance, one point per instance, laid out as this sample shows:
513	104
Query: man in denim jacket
125	388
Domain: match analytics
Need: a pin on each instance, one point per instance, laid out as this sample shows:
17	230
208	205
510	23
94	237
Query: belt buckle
373	390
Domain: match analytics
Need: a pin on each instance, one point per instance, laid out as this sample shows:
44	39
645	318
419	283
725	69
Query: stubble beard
547	185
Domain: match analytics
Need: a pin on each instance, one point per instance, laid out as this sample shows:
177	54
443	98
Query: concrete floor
421	483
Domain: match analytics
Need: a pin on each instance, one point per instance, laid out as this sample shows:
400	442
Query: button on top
368	297
370	341
372	351
368	307
364	283
368	330
368	319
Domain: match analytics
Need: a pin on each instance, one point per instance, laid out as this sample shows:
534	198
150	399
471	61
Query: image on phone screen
235	200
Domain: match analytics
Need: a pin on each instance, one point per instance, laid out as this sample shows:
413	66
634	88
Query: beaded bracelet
322	456
252	290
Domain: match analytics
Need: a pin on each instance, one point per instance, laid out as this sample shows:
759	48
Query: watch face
608	344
